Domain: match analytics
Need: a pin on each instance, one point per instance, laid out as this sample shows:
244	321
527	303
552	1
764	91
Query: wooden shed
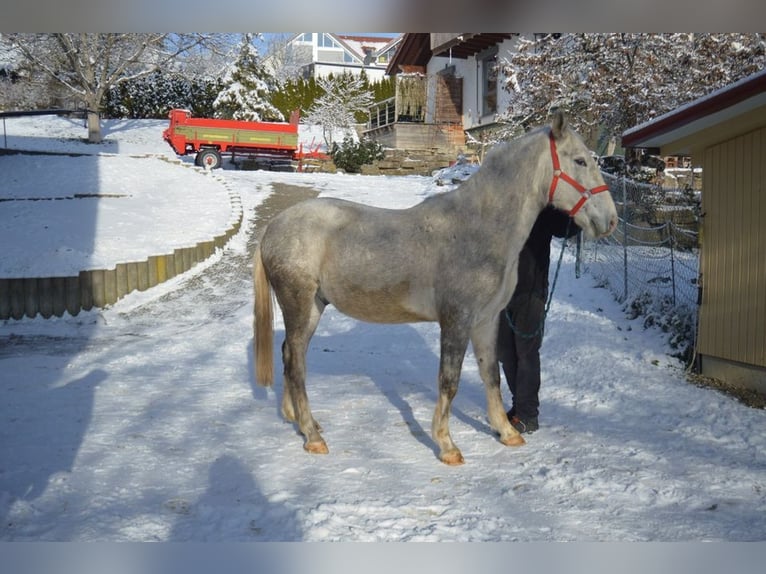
725	134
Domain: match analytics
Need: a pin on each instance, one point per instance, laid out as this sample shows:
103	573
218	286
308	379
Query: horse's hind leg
453	347
301	315
484	341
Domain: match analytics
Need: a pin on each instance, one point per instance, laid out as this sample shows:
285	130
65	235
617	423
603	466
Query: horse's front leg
453	347
484	341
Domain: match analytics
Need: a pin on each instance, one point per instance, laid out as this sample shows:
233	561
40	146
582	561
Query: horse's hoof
514	440
316	447
452	458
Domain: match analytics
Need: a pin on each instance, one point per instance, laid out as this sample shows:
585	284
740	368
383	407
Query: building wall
473	114
321	61
437	65
732	318
448	139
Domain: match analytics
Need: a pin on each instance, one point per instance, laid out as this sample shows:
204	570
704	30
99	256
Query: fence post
624	239
672	234
578	257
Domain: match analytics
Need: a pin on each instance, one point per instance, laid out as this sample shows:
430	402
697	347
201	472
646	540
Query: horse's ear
558	123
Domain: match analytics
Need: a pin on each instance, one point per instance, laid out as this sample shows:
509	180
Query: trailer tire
208	158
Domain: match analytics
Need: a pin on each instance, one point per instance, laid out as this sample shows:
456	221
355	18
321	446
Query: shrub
678	321
350	156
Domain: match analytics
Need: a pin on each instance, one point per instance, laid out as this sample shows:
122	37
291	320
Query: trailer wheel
208	158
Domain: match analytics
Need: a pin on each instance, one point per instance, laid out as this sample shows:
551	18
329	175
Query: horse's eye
581	162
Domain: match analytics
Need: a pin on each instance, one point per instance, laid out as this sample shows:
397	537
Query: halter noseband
559	174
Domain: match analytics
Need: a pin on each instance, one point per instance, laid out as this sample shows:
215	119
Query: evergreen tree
301	94
153	96
248	88
204	92
296	94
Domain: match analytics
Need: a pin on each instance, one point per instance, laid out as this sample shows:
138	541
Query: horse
451	259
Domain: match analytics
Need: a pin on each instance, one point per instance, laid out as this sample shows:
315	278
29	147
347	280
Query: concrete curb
54	296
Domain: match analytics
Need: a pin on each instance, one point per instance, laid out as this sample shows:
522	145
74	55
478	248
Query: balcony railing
382	114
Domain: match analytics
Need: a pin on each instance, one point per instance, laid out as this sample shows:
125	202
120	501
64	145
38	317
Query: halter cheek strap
559	174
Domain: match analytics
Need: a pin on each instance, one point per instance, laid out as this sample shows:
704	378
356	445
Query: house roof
361	45
467	44
414	50
705	112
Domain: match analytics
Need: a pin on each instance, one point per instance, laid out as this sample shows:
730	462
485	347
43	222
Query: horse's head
576	183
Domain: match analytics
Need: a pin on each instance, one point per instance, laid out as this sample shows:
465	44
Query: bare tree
609	82
284	60
343	97
87	65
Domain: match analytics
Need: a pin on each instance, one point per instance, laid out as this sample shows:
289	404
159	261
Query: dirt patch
749	397
283	197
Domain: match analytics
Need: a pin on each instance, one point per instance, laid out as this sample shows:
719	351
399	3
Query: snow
142	422
65	222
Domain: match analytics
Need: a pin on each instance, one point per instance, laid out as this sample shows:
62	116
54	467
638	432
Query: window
331	51
305	38
489	84
386	56
326	41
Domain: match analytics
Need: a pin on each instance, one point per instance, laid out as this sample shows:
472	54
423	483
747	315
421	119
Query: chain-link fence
651	262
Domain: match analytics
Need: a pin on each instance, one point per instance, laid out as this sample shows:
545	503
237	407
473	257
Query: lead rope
540	327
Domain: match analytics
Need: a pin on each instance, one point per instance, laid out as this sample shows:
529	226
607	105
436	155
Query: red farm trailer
274	143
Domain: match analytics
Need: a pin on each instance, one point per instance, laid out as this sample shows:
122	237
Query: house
725	133
475	58
447	86
319	54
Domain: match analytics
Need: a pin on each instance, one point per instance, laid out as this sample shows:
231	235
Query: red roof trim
704	106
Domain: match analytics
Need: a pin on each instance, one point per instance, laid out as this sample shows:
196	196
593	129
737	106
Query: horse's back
362	259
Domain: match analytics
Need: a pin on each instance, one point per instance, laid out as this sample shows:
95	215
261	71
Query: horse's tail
263	327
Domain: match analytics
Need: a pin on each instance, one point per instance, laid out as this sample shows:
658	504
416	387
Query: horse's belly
392	304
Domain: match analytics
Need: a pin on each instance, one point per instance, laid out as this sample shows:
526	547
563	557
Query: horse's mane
512	159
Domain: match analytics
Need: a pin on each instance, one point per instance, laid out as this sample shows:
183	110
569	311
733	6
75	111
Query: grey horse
451	259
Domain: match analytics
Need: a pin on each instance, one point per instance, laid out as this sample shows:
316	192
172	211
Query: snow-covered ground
142	422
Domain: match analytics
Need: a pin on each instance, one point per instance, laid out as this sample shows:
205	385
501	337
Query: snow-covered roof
362	45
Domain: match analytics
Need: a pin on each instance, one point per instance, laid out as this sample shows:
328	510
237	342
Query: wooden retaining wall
444	138
54	296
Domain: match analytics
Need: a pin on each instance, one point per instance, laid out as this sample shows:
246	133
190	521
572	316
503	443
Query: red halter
559	174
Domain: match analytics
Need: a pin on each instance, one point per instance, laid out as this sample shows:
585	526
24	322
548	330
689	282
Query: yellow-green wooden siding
733	312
